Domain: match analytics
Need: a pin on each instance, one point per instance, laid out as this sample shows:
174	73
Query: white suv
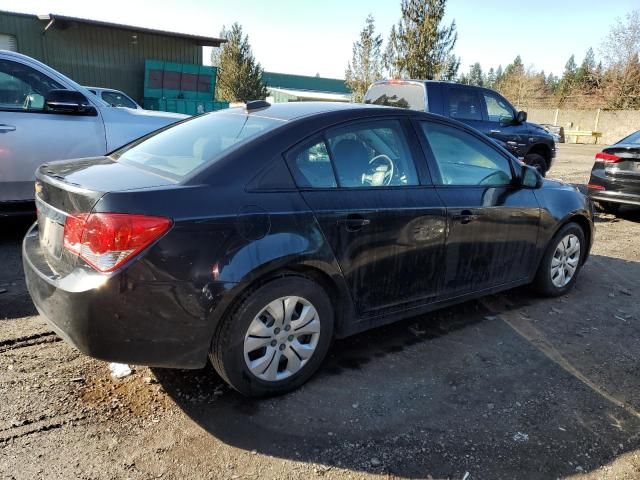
46	116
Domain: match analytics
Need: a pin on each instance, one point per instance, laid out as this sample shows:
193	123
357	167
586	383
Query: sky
308	37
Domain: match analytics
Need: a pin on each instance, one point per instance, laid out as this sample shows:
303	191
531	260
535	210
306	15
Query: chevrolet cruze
254	236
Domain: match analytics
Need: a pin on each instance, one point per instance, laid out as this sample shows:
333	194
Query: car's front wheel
276	338
562	261
537	161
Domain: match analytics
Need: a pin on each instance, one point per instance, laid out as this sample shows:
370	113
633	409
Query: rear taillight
107	240
593	186
607	157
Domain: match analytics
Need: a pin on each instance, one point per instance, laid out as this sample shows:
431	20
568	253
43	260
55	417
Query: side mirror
530	177
68	102
521	117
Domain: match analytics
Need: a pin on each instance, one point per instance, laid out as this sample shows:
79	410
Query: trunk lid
69	187
627	169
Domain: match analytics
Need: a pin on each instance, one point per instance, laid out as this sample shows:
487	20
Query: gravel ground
512	386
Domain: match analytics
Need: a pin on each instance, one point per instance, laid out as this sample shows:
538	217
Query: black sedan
254	236
615	176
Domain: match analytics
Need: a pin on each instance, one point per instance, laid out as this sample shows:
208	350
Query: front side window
372	154
464	104
179	150
23	88
117	99
498	109
463	159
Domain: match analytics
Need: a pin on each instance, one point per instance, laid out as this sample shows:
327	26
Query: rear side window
179	150
402	95
313	165
633	138
464	104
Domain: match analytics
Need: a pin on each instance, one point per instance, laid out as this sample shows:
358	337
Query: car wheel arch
583	222
338	294
541	149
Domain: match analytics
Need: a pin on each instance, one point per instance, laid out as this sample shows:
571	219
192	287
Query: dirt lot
512	386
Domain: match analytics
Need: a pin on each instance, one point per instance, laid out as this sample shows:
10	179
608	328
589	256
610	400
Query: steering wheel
387	175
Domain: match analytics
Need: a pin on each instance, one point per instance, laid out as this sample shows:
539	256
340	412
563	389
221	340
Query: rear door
377	210
465	105
29	136
492	223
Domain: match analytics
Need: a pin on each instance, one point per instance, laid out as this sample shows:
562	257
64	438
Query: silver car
46	116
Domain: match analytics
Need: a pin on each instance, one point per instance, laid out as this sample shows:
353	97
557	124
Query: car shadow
511	385
15	301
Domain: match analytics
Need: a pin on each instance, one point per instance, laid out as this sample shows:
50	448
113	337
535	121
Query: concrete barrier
614	124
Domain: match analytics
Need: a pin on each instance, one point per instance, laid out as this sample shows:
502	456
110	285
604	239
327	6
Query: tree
421	47
491	78
568	80
366	61
450	70
239	75
476	77
621	50
391	55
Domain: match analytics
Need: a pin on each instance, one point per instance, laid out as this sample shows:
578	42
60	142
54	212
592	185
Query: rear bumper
615	191
120	318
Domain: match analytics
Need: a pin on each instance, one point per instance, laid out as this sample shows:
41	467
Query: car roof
296	110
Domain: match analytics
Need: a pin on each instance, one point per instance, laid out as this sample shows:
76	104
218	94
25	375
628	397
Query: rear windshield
181	149
633	138
403	95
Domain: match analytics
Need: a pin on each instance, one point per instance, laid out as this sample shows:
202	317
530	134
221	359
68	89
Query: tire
608	207
537	161
246	361
547	280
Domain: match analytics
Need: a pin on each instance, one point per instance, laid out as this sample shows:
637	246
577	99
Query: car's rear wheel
608	207
276	338
537	161
562	261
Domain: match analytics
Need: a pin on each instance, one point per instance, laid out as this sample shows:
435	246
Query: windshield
402	95
179	150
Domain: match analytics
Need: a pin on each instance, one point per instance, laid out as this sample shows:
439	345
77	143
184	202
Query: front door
29	136
386	229
501	123
492	222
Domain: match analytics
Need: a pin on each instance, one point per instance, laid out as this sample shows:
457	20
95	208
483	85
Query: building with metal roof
98	53
283	87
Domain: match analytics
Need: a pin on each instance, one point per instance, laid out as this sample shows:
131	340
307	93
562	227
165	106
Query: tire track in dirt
28	341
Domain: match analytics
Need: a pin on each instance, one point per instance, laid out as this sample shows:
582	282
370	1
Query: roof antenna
257	105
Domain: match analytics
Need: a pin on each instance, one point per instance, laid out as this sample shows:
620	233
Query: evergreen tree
366	61
392	54
422	47
476	77
491	78
239	75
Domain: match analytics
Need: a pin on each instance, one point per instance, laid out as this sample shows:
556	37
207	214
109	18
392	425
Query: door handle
465	216
6	128
353	223
494	131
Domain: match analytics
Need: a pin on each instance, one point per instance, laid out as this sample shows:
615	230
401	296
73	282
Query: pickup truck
46	116
480	108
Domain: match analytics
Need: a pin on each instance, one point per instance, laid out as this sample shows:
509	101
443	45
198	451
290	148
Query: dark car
254	236
481	108
615	176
